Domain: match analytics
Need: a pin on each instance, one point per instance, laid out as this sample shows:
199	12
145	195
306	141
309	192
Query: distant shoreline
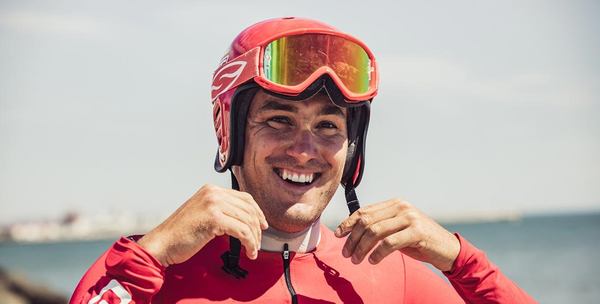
468	219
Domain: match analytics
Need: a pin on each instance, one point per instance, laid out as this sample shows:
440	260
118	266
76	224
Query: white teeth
296	177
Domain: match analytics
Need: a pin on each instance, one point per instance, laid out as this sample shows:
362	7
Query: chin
296	218
292	225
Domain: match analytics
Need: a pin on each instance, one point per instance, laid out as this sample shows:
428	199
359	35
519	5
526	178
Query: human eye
278	122
327	125
328	128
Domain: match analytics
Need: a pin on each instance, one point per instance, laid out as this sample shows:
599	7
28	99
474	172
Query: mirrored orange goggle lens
291	60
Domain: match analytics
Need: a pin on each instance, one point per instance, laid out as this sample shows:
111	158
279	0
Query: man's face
294	157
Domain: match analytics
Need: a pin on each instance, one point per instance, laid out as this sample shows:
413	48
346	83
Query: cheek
341	158
335	153
258	147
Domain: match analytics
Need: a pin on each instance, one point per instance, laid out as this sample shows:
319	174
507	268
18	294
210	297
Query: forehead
317	104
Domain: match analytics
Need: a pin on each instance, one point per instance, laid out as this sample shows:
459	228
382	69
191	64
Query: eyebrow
278	106
332	110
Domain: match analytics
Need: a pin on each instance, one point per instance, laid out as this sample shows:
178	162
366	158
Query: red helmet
293	58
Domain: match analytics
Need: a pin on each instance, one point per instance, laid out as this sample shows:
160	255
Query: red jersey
126	273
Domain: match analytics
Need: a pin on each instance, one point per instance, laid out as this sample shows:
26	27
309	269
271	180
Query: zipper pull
286	252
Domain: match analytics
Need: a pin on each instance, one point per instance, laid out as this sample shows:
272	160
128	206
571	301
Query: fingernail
338	232
354	259
371	260
345	252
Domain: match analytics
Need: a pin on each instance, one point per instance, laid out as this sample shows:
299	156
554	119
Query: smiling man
291	104
295	153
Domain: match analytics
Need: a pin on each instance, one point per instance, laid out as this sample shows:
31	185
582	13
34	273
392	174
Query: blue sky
483	107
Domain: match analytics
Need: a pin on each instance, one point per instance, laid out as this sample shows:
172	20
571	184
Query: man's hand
211	212
396	225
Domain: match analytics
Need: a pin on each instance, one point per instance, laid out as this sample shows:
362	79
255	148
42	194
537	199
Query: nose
304	147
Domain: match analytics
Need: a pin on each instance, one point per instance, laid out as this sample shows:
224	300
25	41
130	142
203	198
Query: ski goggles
290	64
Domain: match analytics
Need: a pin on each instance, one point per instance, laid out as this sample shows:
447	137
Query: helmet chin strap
352	200
231	258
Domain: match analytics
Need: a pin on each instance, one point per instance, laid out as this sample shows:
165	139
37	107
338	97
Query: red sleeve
126	273
422	285
477	280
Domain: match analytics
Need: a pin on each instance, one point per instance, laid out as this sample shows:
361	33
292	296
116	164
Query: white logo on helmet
234	75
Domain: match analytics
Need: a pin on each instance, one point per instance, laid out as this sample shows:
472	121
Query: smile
297	178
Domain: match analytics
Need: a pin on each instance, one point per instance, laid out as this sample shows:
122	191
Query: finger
251	203
374	233
347	225
390	244
245	202
357	232
233	227
364	218
381	210
243	216
240	210
391	204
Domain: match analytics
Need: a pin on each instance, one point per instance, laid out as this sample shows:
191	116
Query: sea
555	258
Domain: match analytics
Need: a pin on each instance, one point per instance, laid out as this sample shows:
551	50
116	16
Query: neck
303	241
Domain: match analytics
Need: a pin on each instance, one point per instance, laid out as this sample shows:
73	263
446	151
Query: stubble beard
284	215
294	217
